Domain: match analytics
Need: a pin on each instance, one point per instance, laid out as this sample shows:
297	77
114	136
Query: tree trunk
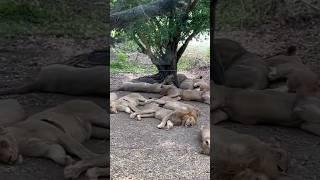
167	66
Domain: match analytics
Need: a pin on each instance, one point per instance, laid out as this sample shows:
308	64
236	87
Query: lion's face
189	120
9	153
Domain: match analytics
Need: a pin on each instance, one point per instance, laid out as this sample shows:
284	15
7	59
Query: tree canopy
165	37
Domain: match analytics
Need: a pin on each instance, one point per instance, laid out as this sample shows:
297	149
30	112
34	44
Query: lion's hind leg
218	116
141	113
99	132
146	115
74	147
48	150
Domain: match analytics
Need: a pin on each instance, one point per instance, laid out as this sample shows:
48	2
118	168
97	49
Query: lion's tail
19	90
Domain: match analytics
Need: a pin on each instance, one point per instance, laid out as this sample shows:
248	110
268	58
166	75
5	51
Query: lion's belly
72	125
257	108
161	113
191	95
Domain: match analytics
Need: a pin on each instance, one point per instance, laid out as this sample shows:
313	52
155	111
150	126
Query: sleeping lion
55	133
127	103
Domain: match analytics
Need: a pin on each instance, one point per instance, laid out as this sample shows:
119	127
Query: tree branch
124	18
185	45
145	48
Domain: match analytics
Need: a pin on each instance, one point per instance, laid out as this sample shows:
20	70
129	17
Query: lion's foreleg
55	152
165	119
218	116
158	101
134	108
99	132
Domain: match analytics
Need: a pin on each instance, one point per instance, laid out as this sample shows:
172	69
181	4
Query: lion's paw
128	110
72	172
69	160
133	115
169	125
92	174
160	126
138	117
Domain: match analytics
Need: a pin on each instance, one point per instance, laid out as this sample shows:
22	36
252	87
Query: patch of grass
184	64
119	67
128	46
122	65
66	18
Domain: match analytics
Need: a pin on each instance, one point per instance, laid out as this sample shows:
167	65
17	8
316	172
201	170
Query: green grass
118	67
66	18
123	65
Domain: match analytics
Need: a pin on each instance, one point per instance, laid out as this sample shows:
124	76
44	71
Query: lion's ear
3	131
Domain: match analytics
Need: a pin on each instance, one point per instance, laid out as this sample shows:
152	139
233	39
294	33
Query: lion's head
189	119
9	152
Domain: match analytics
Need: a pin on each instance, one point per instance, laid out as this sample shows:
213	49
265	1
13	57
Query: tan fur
188	83
205	140
171	114
170	79
265	107
11	112
113	97
127	103
300	79
244	157
242	69
140	87
59	78
187	95
94	168
55	132
202	85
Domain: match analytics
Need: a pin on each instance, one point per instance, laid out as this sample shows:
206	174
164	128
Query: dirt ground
20	60
304	148
139	150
